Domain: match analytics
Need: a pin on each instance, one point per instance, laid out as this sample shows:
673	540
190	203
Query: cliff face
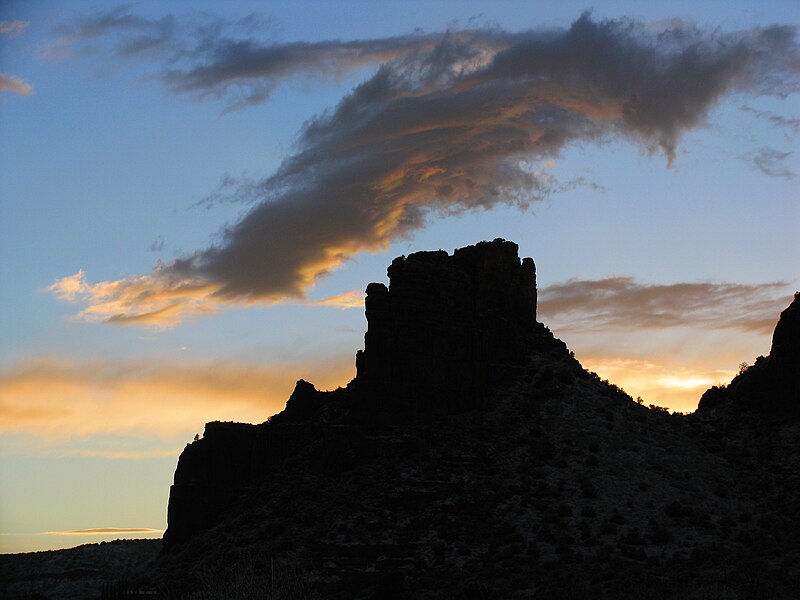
448	327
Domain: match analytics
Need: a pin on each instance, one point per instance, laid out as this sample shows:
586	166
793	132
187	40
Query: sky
193	197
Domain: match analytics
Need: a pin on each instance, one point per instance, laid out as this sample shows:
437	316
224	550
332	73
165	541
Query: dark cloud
132	35
209	56
770	162
454	122
623	303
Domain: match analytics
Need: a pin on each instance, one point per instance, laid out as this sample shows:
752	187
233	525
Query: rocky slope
473	457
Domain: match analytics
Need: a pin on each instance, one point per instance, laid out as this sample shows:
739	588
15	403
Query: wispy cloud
774	118
157	245
12	27
351	299
56	399
107	531
207	56
622	303
10	83
448	123
770	162
148	300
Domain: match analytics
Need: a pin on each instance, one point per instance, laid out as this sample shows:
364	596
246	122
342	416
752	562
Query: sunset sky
192	202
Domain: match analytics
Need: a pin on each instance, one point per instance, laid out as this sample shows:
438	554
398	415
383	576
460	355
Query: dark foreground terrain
473	457
79	572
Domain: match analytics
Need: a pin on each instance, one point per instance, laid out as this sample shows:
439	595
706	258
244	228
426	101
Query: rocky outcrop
447	328
771	386
446	331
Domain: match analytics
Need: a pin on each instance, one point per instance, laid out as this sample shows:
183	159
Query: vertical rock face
447	328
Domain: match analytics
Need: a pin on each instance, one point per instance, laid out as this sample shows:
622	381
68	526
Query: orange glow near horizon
59	399
677	388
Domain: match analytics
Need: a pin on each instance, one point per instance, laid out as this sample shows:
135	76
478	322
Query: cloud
208	56
10	83
136	36
56	399
149	300
157	245
770	162
12	27
775	119
449	123
621	303
107	531
352	299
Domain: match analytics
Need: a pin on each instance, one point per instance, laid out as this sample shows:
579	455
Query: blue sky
104	167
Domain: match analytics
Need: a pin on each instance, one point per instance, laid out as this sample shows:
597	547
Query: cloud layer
448	123
621	303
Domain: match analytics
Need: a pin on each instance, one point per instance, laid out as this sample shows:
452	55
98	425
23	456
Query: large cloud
451	123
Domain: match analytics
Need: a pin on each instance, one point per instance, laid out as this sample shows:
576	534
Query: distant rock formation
447	328
772	385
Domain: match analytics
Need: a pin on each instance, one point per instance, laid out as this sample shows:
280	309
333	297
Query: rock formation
446	331
447	328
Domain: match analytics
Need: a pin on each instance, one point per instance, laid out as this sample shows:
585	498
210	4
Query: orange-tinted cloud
351	299
10	83
60	399
108	531
450	123
148	300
